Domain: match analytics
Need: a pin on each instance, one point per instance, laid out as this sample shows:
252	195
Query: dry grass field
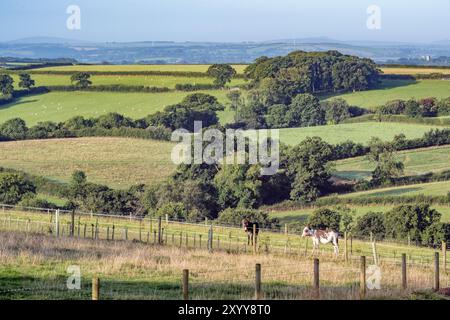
35	267
117	162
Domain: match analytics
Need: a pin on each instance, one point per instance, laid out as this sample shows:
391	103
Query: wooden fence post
351	244
57	222
112	233
316	280
436	271
72	223
258	281
444	256
254	239
185	284
159	230
210	238
95	289
404	279
362	280
346	247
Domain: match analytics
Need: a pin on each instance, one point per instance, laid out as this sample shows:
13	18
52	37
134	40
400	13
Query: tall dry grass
34	266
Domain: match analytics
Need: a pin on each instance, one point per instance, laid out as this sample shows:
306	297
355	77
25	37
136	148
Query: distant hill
157	52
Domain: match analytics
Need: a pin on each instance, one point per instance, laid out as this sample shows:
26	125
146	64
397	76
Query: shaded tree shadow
16	103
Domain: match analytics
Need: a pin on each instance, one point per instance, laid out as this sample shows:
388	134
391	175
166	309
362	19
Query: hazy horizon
402	21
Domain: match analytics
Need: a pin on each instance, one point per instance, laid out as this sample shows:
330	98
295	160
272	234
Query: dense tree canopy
282	78
14	187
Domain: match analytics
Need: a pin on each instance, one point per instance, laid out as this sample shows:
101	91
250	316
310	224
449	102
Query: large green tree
25	81
223	73
309	169
81	79
6	84
15	129
14	187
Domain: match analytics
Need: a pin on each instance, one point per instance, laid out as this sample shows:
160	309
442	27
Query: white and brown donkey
322	237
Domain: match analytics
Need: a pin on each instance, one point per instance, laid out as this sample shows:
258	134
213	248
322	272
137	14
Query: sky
226	20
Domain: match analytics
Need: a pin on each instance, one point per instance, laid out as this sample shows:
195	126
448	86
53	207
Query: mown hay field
414	70
116	162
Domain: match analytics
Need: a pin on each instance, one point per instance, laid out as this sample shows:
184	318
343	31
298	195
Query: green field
116	162
301	215
416	162
432	189
397	89
60	106
126	80
134	68
357	132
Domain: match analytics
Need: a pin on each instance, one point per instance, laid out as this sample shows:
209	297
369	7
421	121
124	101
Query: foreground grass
398	89
60	106
418	161
35	267
357	132
116	162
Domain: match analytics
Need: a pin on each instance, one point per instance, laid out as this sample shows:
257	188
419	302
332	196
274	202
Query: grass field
416	162
397	89
116	162
357	132
301	215
124	68
60	106
432	189
126	80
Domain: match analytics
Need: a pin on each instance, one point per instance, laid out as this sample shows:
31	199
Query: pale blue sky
226	20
